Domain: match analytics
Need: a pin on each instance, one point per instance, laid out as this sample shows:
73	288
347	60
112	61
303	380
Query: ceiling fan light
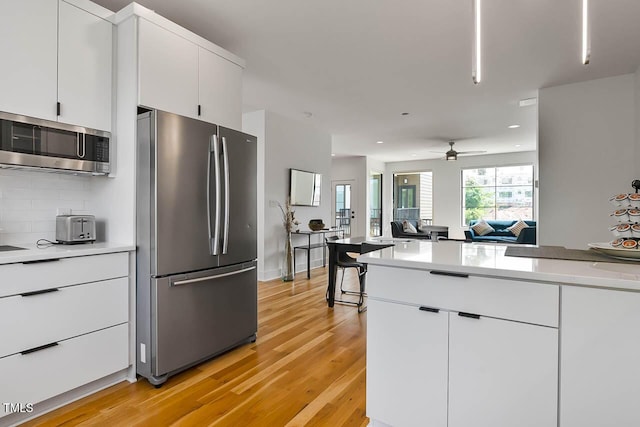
451	155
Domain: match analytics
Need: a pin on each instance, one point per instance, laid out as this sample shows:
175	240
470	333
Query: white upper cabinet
168	70
28	40
220	90
84	68
57	52
177	74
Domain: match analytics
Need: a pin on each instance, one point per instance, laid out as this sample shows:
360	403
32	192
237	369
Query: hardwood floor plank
307	368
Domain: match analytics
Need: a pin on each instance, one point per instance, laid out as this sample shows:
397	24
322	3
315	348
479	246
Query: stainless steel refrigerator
196	238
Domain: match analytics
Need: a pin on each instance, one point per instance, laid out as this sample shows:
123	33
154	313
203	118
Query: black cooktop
6	248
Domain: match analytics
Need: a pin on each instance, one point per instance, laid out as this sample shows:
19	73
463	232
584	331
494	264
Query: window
375	204
412	195
500	193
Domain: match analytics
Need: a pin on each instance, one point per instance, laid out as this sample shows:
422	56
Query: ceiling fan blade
471	152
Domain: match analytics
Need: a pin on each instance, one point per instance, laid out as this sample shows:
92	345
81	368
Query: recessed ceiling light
333	154
513	126
517	145
380	142
413	154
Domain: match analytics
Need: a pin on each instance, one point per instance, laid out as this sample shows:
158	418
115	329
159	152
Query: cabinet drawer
40	319
529	302
34	377
20	277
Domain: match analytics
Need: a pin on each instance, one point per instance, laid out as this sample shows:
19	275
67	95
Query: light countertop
490	260
32	253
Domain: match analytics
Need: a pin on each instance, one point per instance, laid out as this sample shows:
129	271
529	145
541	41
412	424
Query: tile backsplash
30	201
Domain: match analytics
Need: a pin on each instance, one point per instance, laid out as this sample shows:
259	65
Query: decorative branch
288	218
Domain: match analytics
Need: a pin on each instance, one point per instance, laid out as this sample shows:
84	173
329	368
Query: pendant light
586	36
476	70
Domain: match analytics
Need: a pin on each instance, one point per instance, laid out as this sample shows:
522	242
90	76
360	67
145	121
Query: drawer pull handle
469	315
430	309
448	273
44	291
42	347
38	261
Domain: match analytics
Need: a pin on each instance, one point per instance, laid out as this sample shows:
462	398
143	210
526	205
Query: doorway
375	204
343	197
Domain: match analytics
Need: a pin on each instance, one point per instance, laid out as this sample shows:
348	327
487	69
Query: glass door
375	204
344	215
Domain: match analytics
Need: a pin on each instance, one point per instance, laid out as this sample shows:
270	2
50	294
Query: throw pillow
517	227
407	227
423	223
481	228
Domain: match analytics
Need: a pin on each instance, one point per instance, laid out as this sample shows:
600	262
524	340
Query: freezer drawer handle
429	309
217	276
42	347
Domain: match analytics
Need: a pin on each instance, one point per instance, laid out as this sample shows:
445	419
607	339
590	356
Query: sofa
423	233
502	234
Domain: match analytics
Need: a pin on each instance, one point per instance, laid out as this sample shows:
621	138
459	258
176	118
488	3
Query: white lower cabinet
65	324
34	377
433	362
599	358
502	373
407	352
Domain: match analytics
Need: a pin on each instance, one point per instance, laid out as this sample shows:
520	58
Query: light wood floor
307	368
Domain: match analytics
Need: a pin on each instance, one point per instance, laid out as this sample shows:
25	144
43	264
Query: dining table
357	245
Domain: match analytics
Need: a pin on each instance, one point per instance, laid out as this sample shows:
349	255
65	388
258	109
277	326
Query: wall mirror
304	188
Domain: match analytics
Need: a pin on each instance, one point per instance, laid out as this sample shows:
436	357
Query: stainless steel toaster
75	228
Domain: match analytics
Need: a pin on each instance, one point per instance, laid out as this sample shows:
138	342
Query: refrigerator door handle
225	239
211	142
214	241
217	276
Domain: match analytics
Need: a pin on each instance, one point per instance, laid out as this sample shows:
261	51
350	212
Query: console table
309	246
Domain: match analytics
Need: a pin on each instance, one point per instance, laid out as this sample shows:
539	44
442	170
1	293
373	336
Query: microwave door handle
214	241
225	154
80	145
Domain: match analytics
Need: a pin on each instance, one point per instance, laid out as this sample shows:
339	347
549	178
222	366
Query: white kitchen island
461	335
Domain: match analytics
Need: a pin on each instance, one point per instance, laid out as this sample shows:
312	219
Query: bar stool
343	262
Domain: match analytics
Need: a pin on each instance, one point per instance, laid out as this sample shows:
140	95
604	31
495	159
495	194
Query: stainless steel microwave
31	142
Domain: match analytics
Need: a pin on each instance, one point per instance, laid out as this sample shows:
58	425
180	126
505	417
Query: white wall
587	149
29	203
353	169
254	124
284	143
447	192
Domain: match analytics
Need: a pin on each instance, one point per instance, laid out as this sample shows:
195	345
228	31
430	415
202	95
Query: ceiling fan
453	154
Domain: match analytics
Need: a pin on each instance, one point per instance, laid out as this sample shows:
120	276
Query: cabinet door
28	42
168	70
406	365
502	373
220	89
84	68
600	358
